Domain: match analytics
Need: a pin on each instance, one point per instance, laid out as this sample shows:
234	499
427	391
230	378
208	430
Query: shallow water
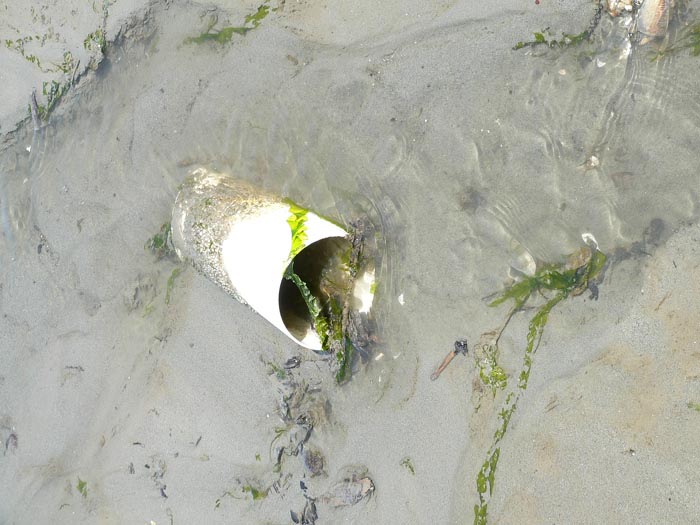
463	153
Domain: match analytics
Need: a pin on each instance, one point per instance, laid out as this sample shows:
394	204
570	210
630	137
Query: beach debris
299	434
313	461
301	407
158	468
307	516
522	263
34	110
292	362
349	491
591	163
11	443
619	7
460	347
8	435
651	18
300	271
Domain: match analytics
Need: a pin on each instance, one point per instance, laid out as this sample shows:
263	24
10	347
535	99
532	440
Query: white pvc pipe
240	238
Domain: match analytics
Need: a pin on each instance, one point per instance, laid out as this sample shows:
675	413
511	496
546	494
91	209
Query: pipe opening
322	267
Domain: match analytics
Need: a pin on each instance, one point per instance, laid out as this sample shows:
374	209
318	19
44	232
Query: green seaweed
279	432
254	19
160	244
567	40
171	283
18	45
407	463
66	66
490	372
486	478
544	37
338	342
82	487
564	282
96	41
53	91
280	373
694	406
318	318
225	34
257	493
344	357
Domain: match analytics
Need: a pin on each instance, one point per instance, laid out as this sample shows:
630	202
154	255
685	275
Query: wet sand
119	407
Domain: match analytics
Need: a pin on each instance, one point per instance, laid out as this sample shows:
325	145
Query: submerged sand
117	406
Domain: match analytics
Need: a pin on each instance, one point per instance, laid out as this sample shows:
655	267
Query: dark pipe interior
309	265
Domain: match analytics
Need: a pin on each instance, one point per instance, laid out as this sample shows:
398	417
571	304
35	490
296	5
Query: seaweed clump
554	283
225	34
161	244
544	38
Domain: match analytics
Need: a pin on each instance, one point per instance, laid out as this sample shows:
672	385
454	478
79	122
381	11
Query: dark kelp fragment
307	516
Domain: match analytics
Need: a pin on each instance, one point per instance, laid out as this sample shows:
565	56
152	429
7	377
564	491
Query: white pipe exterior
239	237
